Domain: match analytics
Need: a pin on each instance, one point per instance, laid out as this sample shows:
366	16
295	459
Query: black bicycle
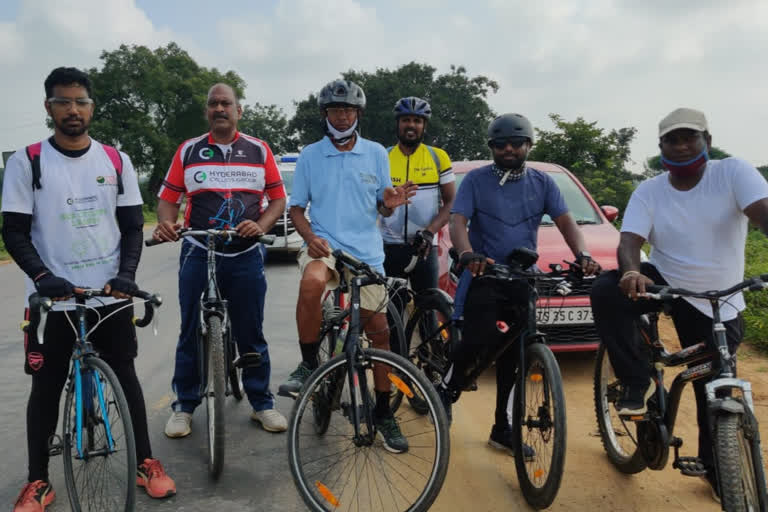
335	456
219	363
538	411
634	443
97	433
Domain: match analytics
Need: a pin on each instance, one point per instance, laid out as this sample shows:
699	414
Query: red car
566	321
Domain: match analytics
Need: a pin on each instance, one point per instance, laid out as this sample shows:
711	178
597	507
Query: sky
619	63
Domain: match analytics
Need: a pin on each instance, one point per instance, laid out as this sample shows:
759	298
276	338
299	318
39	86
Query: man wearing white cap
695	218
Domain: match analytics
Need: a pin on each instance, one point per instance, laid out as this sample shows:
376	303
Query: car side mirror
610	212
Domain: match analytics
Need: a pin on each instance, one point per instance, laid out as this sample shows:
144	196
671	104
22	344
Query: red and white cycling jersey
224	184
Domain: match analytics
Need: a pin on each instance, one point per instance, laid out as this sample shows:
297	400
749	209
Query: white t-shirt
697	236
74	227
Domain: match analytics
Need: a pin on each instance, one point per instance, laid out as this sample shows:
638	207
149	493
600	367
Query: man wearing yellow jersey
412	228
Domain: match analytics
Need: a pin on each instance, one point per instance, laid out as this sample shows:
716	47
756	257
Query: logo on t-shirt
200	176
206	153
106	180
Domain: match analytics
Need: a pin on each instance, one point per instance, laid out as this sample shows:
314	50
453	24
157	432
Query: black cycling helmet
341	92
412	106
510	125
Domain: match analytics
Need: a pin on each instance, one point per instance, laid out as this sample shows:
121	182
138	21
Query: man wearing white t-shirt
78	222
695	219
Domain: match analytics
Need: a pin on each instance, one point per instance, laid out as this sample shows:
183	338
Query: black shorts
114	339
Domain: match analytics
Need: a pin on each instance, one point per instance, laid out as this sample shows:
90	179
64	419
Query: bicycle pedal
248	360
690	466
55	446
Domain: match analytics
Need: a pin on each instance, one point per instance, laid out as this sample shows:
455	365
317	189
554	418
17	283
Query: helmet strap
340	137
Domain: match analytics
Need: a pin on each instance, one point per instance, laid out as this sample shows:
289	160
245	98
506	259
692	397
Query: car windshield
287	180
578	204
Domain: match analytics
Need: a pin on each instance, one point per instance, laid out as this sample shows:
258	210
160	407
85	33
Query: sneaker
394	441
711	482
271	420
446	398
292	387
502	439
179	425
152	477
633	399
34	497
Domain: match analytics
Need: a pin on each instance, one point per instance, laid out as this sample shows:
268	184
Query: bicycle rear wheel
539	422
334	470
740	464
101	476
214	395
619	436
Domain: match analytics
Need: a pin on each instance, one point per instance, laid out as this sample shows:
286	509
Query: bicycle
97	433
332	428
634	443
219	364
541	422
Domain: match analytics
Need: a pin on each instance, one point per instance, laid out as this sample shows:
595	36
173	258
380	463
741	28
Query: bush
756	315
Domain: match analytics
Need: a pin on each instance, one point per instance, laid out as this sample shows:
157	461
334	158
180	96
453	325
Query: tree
652	166
764	171
150	101
460	113
598	158
269	123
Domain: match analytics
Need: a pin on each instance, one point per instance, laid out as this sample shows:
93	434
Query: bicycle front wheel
539	426
737	461
234	373
339	469
214	395
100	468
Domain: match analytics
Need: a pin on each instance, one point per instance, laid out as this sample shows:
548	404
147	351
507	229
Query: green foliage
652	166
150	101
460	113
269	123
764	171
755	318
598	158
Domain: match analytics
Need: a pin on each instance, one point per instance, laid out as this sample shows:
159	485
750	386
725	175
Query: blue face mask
686	169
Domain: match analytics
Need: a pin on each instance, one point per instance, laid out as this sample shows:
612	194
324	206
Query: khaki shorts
372	297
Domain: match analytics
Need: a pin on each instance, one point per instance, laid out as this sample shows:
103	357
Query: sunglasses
516	142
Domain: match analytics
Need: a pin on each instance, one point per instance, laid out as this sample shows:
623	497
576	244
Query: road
256	475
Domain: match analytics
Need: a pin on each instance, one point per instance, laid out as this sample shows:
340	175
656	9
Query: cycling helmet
412	106
510	125
342	92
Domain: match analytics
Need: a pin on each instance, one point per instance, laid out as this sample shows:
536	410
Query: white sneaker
179	425
271	420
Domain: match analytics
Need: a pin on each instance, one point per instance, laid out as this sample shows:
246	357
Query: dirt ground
481	479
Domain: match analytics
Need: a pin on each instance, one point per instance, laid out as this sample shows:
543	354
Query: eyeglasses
516	142
681	137
79	103
338	111
223	103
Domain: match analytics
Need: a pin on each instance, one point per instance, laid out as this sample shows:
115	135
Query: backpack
33	153
431	152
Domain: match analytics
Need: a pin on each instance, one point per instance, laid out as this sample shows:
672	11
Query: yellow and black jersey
428	168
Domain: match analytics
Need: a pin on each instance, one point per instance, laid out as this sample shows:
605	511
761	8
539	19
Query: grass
755	318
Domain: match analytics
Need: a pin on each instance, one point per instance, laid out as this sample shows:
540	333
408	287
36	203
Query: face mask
685	169
340	137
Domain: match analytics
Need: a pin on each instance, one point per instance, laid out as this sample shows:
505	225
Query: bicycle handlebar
666	292
228	233
356	264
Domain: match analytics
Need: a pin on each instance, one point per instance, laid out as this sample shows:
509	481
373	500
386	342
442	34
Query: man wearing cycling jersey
225	175
502	204
78	223
411	229
345	178
695	218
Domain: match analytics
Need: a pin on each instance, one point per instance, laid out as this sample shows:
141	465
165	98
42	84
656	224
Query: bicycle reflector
402	386
502	326
327	494
536	377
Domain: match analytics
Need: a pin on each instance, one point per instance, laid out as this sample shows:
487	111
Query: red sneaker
152	477
34	497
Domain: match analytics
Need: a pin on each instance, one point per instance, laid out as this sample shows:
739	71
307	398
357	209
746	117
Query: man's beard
513	164
410	143
72	131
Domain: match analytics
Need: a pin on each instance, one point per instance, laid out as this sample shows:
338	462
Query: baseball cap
683	118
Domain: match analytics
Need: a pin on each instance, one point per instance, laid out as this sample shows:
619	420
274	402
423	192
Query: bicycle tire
735	459
82	481
319	480
234	373
626	457
542	426
214	395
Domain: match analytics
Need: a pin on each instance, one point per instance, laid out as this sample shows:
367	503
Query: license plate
567	316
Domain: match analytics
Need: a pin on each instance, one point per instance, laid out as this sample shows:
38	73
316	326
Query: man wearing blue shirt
503	204
346	179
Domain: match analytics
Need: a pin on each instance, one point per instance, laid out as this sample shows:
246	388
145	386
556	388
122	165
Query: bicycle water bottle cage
522	258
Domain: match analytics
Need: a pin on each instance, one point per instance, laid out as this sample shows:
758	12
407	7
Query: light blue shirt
342	189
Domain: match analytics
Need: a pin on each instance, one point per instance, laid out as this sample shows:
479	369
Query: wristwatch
583	254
